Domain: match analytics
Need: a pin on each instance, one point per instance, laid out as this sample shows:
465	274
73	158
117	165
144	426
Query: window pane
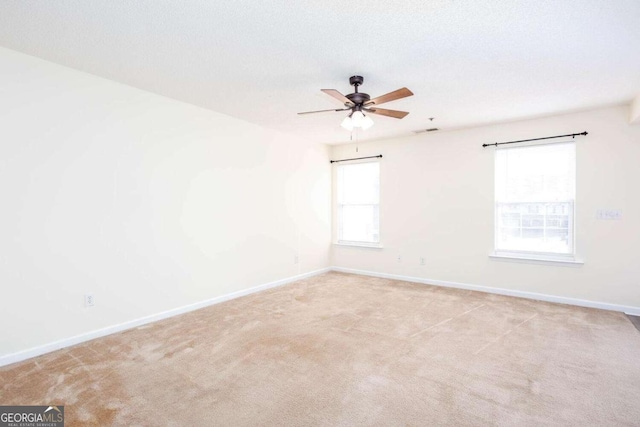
517	230
359	183
538	173
359	223
535	188
358	202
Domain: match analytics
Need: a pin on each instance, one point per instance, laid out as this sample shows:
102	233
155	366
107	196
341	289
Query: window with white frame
358	203
535	200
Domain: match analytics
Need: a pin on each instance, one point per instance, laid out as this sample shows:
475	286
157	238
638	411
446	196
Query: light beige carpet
341	350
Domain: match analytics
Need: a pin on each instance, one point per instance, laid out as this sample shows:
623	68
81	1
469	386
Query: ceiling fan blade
390	113
391	96
337	95
324	111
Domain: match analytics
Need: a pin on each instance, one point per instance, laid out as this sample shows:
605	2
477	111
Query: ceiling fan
359	103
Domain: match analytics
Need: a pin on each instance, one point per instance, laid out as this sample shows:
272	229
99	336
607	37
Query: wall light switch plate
609	214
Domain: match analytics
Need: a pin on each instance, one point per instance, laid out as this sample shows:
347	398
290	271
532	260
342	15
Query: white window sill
537	258
360	244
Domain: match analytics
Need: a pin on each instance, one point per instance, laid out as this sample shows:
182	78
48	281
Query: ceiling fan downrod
356	81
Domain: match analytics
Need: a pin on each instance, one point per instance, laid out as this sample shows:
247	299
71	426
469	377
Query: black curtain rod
357	158
572	135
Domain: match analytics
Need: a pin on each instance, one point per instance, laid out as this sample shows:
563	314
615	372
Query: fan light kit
359	103
357	119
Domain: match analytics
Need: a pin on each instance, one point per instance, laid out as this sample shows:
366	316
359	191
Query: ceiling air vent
426	130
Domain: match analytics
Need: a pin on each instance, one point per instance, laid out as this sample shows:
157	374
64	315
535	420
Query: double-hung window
535	201
358	203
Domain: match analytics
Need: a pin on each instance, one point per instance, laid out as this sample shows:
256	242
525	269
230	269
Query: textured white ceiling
468	62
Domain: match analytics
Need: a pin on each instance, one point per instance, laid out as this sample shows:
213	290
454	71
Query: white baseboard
67	342
635	311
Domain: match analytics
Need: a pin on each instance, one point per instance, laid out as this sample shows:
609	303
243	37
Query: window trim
359	244
336	208
537	257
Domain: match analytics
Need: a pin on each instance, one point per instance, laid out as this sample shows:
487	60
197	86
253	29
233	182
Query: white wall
146	202
437	201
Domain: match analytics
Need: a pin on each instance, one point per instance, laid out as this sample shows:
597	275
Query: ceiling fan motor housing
357	98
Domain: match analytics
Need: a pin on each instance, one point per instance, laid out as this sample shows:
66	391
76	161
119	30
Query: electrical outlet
89	300
399	258
296	259
422	262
